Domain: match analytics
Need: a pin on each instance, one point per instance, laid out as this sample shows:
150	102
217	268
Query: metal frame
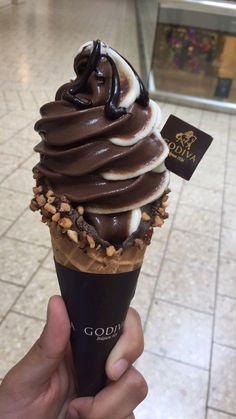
216	7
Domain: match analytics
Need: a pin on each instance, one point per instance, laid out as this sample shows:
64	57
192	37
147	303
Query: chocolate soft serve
102	151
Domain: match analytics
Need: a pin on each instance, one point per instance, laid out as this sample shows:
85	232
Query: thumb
36	368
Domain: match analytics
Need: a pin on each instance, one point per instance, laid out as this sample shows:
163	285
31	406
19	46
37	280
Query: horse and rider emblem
186	139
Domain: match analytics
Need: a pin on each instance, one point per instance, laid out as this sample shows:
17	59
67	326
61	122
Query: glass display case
193	57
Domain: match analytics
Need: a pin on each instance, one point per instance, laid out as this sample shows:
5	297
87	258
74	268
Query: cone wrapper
97	305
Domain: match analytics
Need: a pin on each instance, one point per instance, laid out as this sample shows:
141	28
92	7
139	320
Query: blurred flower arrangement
192	49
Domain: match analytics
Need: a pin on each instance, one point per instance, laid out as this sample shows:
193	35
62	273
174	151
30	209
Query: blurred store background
188	51
186	296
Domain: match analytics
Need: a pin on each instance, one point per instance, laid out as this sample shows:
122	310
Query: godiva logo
181	148
102	333
187	145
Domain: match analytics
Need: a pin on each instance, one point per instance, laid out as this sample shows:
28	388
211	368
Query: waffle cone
68	253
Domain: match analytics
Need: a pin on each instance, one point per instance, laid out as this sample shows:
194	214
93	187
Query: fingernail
119	368
72	414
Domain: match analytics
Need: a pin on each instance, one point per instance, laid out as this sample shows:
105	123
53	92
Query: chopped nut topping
33	205
50	208
72	235
44	219
37	190
51	199
110	251
80	210
41	200
65	223
164	204
145	216
64	207
37	174
56	217
161	211
49	193
158	221
91	241
64	198
165	198
138	243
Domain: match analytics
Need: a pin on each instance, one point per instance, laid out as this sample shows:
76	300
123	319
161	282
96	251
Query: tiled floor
187	290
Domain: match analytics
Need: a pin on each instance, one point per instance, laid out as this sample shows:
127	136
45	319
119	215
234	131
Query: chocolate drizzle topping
112	110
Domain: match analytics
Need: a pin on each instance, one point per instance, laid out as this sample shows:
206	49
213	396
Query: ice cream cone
97	290
101	186
67	253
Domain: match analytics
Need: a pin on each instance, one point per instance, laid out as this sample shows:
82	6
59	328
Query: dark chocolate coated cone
97	305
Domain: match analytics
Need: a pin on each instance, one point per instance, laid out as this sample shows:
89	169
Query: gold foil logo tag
187	146
186	139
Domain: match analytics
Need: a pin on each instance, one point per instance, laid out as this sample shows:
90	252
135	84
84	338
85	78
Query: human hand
42	386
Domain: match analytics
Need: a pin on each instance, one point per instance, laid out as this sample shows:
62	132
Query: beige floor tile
230	194
218	149
40	97
19	260
208	179
4	225
228	244
17	146
225	321
161	234
49	262
5	134
210	199
176	391
176	183
8	163
12	203
213	414
223	379
218	120
30	229
229	219
153	256
21	181
18	333
192	115
198	220
15	120
143	295
193	249
35	297
31	161
232	148
187	285
8	294
227	277
179	333
231	156
28	132
230	176
210	161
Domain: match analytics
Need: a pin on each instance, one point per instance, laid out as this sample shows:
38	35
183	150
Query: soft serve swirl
100	142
